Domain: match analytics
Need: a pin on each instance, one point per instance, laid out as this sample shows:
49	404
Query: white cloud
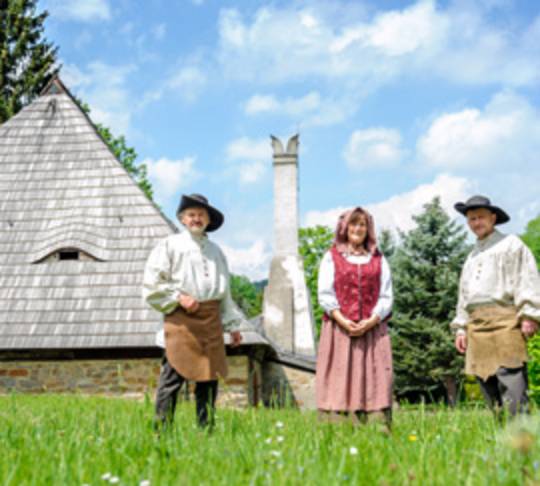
252	261
168	176
458	42
262	104
104	88
505	134
395	33
397	211
373	148
309	110
289	106
249	159
80	10
188	82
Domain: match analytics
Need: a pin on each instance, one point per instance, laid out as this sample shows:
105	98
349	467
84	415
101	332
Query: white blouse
499	270
327	294
193	265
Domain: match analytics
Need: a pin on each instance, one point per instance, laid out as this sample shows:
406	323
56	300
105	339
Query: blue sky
395	102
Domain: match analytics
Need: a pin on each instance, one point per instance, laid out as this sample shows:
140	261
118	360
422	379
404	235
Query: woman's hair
349	216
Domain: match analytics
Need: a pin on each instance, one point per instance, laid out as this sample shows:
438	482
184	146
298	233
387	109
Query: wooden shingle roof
62	188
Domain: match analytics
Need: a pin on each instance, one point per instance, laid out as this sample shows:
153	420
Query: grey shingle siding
61	187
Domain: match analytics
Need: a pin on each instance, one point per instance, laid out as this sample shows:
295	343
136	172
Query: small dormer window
65	254
68	255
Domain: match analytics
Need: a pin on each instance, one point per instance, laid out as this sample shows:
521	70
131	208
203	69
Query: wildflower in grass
353	451
144	482
269	440
280	438
279	425
114	480
413	438
275	453
106	476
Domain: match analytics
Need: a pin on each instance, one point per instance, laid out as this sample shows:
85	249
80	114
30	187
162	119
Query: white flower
144	482
280	438
106	476
275	453
353	451
114	480
279	425
269	440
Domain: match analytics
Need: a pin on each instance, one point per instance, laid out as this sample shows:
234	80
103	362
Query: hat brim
216	216
501	218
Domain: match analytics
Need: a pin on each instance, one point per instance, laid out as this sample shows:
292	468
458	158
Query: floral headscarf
340	239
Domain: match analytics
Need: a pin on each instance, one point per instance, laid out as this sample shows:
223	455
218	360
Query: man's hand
461	342
188	303
236	338
529	328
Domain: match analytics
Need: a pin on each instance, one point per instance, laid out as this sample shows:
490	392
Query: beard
196	230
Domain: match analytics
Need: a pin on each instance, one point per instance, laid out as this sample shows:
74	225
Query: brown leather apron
494	340
194	342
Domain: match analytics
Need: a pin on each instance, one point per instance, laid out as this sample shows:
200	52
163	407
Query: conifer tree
425	271
27	60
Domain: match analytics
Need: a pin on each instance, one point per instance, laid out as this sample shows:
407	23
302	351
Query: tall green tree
27	60
246	295
386	243
531	238
313	243
425	270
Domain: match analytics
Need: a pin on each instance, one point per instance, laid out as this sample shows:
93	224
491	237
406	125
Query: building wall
128	377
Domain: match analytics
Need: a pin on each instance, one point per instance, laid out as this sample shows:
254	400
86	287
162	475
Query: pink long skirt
354	374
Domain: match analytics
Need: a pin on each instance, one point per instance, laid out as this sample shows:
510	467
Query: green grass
75	440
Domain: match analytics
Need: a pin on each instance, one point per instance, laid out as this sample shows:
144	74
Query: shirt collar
489	241
199	239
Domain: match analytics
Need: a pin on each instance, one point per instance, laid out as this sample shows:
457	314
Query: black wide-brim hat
477	202
199	201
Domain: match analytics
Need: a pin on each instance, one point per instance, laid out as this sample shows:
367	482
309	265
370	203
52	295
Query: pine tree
425	270
27	60
386	243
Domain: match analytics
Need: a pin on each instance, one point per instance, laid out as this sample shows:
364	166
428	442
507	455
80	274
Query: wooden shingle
61	187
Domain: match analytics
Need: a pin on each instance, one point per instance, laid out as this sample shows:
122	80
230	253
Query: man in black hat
498	307
187	279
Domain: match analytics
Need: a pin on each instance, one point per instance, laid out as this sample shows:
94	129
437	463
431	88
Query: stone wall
127	377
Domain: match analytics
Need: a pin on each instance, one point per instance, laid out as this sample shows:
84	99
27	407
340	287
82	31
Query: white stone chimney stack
286	216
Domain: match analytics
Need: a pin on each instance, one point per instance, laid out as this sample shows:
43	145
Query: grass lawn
76	440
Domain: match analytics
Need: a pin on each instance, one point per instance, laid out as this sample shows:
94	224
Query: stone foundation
127	377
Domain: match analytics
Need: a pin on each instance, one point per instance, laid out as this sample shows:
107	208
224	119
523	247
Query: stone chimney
285	197
287	316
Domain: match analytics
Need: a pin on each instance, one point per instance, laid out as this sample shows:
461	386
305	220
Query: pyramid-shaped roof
62	189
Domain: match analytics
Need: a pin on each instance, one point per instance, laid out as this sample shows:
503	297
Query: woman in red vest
354	364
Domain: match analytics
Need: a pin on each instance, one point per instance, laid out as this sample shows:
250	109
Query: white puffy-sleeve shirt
500	270
193	265
327	294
